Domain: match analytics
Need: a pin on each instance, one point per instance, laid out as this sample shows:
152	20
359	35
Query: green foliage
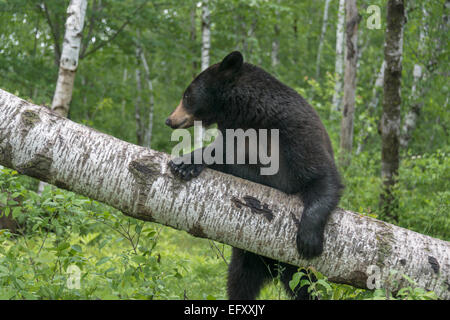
320	288
119	257
59	229
424	193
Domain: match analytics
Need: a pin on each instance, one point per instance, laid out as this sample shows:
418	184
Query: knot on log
255	206
145	169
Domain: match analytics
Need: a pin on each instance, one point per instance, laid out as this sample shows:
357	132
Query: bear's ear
232	62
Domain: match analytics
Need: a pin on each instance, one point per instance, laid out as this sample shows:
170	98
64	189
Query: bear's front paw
309	241
186	171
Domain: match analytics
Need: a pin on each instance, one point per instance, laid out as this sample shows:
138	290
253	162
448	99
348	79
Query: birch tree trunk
68	63
275	47
338	67
148	131
351	31
372	105
138	102
420	73
69	57
411	117
247	37
358	250
124	79
193	38
206	34
275	59
322	37
206	45
378	84
390	119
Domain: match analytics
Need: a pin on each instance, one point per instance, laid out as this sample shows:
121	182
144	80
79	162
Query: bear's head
202	100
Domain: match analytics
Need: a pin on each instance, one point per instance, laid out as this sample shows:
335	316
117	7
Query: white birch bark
322	37
351	57
422	72
363	134
411	117
378	84
413	114
148	131
206	34
338	67
124	80
136	180
69	57
246	47
275	47
193	38
138	102
206	45
275	59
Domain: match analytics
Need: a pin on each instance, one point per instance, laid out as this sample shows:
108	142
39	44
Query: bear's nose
168	122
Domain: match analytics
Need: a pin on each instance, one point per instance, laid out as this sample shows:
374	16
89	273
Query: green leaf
3	271
139	259
295	280
7	293
16	212
63	246
3	198
324	284
7	211
77	248
102	261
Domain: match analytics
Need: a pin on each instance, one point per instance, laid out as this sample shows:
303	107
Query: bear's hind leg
299	293
247	273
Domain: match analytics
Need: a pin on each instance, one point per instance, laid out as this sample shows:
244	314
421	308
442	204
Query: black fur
234	95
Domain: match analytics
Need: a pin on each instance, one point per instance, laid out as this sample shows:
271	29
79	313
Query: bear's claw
186	171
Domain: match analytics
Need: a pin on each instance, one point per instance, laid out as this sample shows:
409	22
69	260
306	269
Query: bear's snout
180	118
175	125
168	122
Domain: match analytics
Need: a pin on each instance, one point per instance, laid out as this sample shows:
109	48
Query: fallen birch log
358	250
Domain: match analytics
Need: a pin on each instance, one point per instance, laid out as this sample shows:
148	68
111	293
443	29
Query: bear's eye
187	98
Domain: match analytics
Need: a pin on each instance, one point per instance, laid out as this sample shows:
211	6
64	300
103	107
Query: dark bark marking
351	29
6	154
385	239
38	167
29	118
356	278
359	278
345	110
62	185
434	264
255	206
197	231
145	170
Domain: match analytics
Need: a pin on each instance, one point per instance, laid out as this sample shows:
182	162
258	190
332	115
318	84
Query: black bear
235	95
